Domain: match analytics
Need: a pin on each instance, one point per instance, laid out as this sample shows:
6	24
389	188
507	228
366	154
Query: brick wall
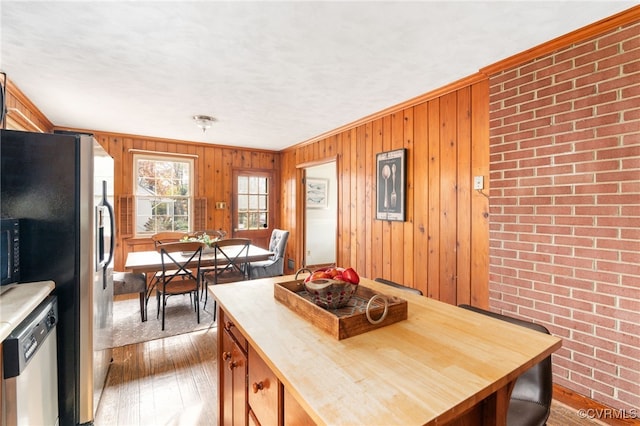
565	208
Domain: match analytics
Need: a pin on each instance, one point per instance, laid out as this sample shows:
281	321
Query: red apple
350	275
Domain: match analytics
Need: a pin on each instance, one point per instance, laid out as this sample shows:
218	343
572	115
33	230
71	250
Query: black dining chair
400	286
530	403
231	260
175	277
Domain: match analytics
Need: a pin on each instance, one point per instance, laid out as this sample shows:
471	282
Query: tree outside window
164	195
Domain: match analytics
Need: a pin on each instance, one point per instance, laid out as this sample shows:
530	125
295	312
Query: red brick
519	136
498	79
576	221
518	173
576	136
537	103
617	177
577	93
553	109
588	338
579	157
631	115
619	290
596	55
600	98
630	92
621	105
516	118
595	231
501	95
536	65
576	51
630	32
598	121
597	166
518	81
630	68
618	60
576	72
553	129
554	249
534	123
594	144
597	77
573	179
598	276
554	210
617	83
620	153
519	99
535	162
609	188
574	241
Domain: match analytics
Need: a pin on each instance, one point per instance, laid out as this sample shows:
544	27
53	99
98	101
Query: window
253	202
164	194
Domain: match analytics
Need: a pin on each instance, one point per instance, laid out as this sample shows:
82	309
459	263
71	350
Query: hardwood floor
169	381
172	381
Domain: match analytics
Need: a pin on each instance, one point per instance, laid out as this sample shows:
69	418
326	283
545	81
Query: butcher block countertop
19	300
428	369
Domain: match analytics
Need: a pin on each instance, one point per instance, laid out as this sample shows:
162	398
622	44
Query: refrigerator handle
111	222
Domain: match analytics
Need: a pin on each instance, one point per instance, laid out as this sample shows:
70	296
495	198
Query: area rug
179	318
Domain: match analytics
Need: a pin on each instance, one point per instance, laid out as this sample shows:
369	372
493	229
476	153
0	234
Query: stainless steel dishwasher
31	368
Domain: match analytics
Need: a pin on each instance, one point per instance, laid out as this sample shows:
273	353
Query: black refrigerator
60	187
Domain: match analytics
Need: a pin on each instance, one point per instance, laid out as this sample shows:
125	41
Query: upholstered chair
530	403
274	266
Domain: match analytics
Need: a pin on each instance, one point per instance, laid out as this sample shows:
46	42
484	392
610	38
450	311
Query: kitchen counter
439	365
19	300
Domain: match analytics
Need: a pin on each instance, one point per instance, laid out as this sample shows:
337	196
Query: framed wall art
391	185
317	193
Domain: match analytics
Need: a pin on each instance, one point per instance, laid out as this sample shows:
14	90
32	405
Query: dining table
151	261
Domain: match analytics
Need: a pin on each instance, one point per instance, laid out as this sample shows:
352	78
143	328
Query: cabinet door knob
257	386
228	325
226	356
232	365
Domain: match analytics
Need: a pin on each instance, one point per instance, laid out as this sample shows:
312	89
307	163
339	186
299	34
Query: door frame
301	206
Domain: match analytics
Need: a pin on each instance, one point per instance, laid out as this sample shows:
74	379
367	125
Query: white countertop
19	300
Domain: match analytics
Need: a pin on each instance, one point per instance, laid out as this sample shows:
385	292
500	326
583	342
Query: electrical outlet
478	182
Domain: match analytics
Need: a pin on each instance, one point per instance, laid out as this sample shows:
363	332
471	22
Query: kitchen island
443	364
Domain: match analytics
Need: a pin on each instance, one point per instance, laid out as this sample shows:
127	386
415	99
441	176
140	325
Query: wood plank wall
442	247
213	170
22	114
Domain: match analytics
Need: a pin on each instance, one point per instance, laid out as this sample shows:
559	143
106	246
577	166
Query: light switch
478	182
221	205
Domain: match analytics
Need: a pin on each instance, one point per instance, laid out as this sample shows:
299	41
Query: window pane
263	219
253	185
254	220
243	202
163	190
253	202
262	202
243	184
262	186
243	221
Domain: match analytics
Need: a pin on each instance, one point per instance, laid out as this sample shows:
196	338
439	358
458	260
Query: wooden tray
345	322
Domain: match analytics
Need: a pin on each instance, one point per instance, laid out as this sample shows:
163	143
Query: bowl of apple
331	288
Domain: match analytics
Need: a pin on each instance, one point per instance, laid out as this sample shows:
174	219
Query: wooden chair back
167	237
178	262
232	260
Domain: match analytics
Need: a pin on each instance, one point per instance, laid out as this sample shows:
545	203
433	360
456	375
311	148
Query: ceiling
273	73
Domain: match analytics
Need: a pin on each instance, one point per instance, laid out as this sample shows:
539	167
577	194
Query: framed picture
391	182
317	193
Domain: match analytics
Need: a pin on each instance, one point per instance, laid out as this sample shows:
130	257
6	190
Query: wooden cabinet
264	391
232	376
293	412
249	391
